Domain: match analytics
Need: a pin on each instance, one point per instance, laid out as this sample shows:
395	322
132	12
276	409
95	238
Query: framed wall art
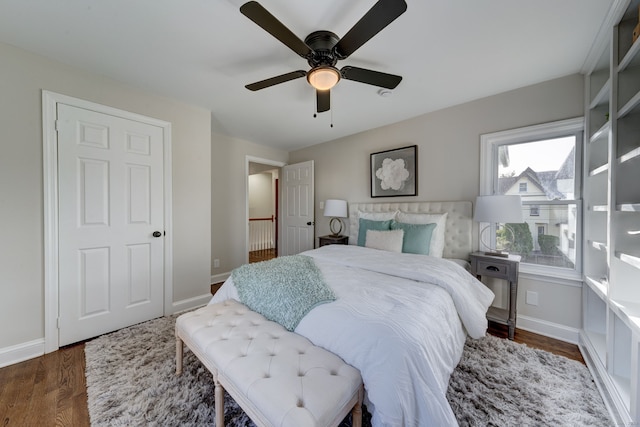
395	172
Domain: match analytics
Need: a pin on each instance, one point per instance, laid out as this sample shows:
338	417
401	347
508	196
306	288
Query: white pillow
436	248
378	216
390	240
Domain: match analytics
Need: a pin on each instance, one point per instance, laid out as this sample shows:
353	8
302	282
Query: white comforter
398	319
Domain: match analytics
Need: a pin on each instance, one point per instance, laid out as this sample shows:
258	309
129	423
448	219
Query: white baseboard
21	352
549	329
219	278
190	303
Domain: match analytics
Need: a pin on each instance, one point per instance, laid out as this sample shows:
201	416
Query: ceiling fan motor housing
322	44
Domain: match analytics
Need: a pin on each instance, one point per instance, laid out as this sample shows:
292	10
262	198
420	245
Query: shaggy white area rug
131	382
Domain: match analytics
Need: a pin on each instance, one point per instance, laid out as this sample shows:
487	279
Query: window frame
489	145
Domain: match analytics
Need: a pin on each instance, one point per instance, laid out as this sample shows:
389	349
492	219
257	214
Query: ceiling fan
323	49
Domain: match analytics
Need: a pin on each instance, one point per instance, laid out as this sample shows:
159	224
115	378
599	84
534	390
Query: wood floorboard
51	390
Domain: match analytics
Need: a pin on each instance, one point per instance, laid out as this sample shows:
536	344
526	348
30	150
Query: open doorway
262	197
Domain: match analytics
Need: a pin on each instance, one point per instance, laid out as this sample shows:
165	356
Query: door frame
50	100
252	159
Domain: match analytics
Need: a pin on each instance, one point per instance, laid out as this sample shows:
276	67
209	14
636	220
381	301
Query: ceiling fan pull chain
315	107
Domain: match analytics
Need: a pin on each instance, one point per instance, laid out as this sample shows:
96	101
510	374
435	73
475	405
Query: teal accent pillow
417	237
368	224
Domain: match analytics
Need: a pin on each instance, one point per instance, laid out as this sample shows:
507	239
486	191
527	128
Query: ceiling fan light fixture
324	77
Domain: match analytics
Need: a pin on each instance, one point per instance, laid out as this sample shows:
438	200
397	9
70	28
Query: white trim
262	161
21	352
549	329
50	101
190	303
219	278
489	144
568	278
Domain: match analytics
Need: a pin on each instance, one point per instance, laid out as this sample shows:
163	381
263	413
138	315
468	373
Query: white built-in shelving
611	292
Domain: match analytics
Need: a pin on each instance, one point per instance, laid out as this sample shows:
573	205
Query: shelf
629	207
601	133
602	97
629	156
599	286
629	106
628	312
601	246
632	260
599	170
498	315
632	54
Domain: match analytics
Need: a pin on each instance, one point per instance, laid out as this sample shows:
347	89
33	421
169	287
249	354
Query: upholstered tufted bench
278	377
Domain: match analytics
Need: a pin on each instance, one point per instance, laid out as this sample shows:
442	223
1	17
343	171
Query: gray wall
22	77
449	164
229	199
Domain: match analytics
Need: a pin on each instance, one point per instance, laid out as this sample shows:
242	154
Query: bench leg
356	412
219	401
179	354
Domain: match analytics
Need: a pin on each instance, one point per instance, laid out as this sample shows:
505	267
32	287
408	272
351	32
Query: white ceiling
204	52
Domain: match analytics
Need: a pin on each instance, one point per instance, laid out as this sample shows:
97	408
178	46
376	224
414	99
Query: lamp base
335	222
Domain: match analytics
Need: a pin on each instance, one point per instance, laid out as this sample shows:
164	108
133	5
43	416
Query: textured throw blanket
283	290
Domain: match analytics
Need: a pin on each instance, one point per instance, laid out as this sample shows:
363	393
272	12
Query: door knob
310	223
157	234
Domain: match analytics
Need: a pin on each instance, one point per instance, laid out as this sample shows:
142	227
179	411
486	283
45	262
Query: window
542	164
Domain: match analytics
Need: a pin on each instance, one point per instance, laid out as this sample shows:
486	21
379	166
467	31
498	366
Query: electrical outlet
321	206
216	263
532	298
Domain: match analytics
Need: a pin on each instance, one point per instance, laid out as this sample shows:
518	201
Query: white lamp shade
500	209
335	208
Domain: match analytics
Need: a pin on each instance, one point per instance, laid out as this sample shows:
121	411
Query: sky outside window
541	156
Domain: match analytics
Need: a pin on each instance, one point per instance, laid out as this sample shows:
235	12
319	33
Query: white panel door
111	266
297	213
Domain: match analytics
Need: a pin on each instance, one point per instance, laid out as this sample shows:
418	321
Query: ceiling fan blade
276	80
323	100
370	77
383	13
261	16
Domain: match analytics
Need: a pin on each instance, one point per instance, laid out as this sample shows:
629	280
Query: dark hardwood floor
262	255
46	391
51	390
562	348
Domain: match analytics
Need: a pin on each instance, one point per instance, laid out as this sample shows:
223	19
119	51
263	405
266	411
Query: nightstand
333	240
500	268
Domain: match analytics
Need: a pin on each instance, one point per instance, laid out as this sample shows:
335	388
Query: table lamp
337	209
497	209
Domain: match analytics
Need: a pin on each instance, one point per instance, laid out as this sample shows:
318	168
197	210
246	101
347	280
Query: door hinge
57	125
58	323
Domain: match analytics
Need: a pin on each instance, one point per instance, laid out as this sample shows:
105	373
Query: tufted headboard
458	229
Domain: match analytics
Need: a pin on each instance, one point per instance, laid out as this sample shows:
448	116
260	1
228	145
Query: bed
400	318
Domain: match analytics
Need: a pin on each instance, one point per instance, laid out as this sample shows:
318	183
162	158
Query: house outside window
542	164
